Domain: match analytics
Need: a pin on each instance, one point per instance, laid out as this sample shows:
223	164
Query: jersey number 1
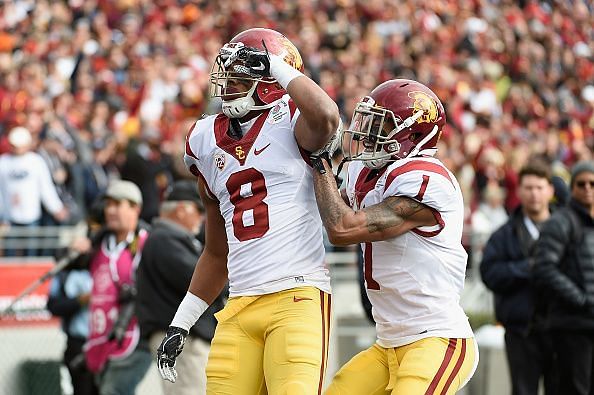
367	254
254	202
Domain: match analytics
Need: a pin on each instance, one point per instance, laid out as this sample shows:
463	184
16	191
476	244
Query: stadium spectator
150	168
163	277
489	215
98	172
564	270
505	269
26	186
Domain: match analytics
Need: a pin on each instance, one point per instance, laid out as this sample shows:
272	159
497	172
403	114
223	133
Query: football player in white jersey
263	229
406	210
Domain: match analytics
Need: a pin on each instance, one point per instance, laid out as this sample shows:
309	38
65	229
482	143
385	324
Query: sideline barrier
32	341
16	275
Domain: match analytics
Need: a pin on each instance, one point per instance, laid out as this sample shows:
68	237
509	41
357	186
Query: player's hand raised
257	62
171	346
246	60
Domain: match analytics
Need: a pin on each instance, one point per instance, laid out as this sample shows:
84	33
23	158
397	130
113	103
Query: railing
43	240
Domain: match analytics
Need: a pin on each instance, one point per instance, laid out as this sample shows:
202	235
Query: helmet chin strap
418	149
240	107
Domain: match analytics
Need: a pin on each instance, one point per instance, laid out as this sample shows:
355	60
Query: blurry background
109	89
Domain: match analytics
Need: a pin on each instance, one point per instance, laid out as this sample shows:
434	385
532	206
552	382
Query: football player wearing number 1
407	213
263	229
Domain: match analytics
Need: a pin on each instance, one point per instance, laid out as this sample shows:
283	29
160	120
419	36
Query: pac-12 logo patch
219	160
277	113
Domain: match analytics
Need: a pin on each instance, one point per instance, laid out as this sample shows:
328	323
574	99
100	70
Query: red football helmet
238	104
399	119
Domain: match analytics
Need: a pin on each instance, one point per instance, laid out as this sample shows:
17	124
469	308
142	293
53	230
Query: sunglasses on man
582	184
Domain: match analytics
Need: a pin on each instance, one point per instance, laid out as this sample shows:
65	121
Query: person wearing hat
163	276
564	270
114	352
26	186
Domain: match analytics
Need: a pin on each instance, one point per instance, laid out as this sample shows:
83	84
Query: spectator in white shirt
26	185
489	215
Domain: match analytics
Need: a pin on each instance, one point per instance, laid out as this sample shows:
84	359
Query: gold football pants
428	366
273	344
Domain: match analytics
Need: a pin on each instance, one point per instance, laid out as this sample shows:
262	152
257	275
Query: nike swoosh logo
259	151
298	299
261	67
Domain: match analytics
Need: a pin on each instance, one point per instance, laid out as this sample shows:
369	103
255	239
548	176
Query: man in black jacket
505	269
163	276
564	267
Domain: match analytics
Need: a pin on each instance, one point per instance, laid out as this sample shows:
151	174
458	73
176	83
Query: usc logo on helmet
422	102
292	55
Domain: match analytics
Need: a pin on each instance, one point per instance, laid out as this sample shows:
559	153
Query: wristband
188	312
282	72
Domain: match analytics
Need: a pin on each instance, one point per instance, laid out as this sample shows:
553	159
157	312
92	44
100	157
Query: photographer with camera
114	351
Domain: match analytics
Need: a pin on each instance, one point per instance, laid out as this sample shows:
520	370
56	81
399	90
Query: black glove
254	62
257	62
171	346
317	159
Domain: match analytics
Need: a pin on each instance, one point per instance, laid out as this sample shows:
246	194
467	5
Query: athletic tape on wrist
282	72
188	312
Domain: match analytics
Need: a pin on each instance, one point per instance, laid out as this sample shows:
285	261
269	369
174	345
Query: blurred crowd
109	88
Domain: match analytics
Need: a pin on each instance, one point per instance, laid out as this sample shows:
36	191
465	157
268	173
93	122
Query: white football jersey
414	281
264	187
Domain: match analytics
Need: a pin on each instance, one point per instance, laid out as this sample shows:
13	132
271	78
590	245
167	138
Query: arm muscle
387	219
210	274
318	117
393	217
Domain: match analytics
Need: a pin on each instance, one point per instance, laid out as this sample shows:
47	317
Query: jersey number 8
253	202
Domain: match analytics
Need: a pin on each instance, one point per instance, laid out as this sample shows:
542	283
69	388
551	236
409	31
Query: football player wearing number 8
407	213
263	229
